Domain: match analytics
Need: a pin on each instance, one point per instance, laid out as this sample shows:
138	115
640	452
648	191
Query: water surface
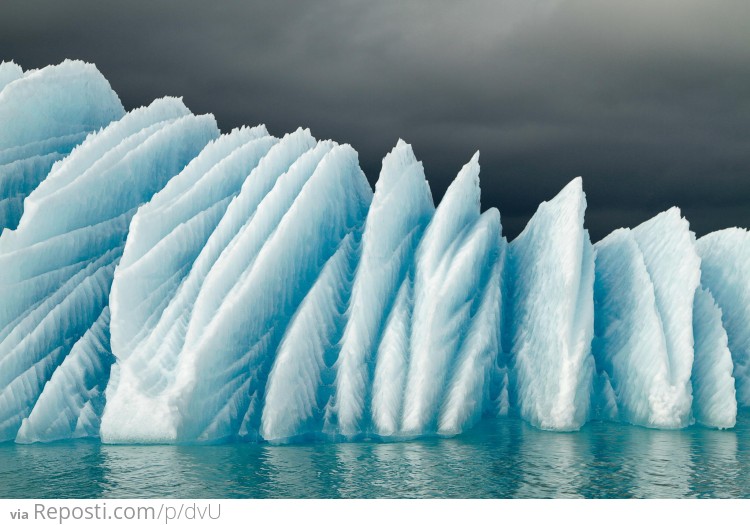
503	458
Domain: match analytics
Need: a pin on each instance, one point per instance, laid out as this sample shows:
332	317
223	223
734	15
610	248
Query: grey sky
649	101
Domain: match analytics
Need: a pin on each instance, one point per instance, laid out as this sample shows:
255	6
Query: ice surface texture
550	314
163	283
45	114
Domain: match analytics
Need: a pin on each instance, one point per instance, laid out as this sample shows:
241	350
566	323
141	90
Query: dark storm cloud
649	101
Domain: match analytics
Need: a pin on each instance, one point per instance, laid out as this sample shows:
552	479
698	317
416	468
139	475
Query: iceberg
52	110
161	282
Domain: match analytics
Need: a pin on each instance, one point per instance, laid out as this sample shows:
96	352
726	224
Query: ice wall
287	311
400	211
454	262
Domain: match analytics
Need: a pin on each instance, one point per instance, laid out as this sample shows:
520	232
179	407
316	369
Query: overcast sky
648	101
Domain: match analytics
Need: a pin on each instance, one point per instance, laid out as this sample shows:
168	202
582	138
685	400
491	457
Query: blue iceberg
161	282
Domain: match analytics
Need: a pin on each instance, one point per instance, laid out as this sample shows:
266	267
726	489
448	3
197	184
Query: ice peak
399	163
466	183
300	135
673	214
572	192
458	209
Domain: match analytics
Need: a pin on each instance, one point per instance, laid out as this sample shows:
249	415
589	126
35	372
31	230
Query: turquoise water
502	458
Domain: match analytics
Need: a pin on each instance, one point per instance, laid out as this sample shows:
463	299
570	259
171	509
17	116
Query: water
502	458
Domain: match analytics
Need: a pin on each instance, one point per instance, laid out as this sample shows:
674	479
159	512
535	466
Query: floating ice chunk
550	314
714	396
258	290
725	267
401	208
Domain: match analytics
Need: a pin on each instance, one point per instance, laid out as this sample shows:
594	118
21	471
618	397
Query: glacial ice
725	272
72	402
400	210
163	283
550	313
80	213
646	280
52	110
9	71
286	222
714	396
454	261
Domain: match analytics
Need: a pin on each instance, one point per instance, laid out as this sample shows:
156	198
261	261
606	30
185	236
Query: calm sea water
502	458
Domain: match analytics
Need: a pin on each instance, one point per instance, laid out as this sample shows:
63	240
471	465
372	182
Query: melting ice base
163	283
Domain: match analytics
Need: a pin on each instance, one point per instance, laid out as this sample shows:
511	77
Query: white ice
51	111
725	267
646	281
550	313
59	263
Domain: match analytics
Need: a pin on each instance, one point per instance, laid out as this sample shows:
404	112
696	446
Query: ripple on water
503	458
